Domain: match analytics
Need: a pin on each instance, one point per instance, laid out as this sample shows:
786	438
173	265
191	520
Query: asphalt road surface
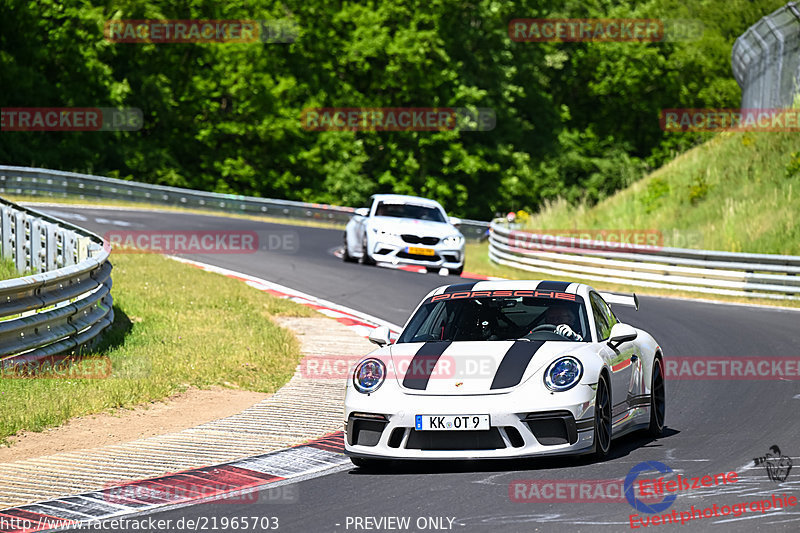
713	426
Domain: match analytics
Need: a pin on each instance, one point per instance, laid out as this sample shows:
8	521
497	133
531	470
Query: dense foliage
574	120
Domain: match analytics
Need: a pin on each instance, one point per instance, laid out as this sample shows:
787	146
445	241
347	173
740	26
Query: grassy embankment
175	327
739	192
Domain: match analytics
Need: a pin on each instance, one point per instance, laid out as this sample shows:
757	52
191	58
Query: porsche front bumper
383	425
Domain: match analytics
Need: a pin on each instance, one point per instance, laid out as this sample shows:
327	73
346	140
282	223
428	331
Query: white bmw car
501	369
404	229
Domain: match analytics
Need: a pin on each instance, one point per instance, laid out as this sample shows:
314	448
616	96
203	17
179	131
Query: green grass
8	270
175	327
738	192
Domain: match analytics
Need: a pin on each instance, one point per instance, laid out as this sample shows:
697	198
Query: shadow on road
621	448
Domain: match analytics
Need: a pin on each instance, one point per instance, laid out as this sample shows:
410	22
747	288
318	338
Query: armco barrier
66	303
704	271
57	184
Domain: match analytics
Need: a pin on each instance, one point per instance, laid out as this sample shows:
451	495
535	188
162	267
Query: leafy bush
793	166
657	188
698	189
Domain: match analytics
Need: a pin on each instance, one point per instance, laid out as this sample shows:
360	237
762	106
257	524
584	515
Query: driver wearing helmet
565	320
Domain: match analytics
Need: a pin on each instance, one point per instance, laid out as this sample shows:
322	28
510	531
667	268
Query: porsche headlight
369	375
563	374
453	240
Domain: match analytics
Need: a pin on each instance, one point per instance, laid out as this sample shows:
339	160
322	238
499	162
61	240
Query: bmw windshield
417	212
498	319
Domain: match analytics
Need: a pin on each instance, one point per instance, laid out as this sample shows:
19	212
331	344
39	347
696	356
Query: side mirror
455	221
362	212
621	333
379	336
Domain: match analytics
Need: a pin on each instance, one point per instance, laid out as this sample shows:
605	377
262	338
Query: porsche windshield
498	319
418	212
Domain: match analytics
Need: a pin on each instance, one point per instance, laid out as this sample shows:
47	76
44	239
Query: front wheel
658	401
365	258
346	257
602	420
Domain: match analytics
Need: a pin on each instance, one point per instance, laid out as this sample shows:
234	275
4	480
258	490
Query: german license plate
420	251
451	422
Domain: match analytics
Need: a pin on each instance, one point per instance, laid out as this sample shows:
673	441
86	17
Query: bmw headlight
563	374
369	375
453	240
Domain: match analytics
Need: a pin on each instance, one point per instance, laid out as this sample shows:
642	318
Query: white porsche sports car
500	369
404	229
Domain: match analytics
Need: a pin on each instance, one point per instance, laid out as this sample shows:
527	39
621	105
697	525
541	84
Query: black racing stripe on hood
459	287
423	363
559	286
515	361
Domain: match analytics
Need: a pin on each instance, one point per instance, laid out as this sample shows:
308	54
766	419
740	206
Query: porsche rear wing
630	300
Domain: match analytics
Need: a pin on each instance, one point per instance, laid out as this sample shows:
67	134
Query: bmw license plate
420	251
451	422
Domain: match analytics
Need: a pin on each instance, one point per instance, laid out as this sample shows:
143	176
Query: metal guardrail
67	302
58	184
766	60
704	271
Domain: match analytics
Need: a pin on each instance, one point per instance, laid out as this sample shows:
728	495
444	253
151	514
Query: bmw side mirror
362	212
379	336
455	221
621	333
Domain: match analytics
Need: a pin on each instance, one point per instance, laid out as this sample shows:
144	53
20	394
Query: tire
602	420
365	258
658	399
458	271
346	257
432	270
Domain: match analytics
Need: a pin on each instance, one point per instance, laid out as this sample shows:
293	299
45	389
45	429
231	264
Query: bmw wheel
365	258
346	257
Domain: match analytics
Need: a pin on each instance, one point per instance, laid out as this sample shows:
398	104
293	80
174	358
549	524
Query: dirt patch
182	411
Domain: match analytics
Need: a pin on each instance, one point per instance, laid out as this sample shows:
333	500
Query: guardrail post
20	247
6	233
70	248
51	247
37	249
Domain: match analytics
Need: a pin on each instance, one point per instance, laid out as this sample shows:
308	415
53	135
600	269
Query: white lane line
112	222
67	216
